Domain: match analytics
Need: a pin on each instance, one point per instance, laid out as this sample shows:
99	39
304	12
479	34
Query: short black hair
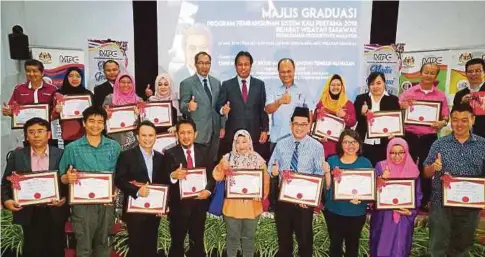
94	110
186	121
241	54
36	63
145	123
286	59
430	63
196	58
475	61
301	112
461	108
110	61
373	76
36	121
351	133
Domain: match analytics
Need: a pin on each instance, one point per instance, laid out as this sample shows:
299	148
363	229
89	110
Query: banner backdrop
57	61
458	78
101	50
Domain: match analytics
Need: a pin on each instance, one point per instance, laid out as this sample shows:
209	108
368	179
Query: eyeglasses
35	132
299	125
474	71
352	143
204	63
397	153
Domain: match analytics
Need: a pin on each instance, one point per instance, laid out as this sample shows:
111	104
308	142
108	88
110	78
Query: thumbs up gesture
275	170
179	173
437	164
226	108
144	191
148	91
285	98
6	111
192	104
365	108
386	174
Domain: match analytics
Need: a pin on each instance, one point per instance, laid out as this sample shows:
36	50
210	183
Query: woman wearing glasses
391	232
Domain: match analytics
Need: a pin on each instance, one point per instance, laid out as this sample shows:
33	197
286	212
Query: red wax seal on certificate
244	190
421	118
354	191
395	201
76	112
465	199
91	195
299	196
147	205
329	132
156	120
122	124
385	130
37	195
193	189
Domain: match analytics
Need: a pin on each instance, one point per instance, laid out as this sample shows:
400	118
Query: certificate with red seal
384	123
23	113
423	113
91	188
165	141
244	184
395	194
464	192
154	203
356	184
34	188
329	126
195	182
74	105
301	188
160	113
123	118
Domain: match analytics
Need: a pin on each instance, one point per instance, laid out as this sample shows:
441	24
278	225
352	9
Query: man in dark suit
242	99
42	225
111	70
141	165
187	215
198	99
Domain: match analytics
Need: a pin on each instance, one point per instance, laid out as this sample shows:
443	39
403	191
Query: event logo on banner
385	59
458	80
411	66
57	61
99	51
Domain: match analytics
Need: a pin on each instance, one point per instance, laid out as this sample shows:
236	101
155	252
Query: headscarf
120	98
171	96
328	102
407	168
250	160
68	89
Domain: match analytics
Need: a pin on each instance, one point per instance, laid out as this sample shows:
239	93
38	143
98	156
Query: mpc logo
108	53
432	59
382	57
68	59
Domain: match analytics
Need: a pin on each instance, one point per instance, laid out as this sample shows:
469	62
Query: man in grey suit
198	99
242	99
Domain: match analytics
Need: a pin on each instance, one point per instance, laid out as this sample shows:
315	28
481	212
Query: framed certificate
245	184
154	203
478	103
423	113
355	184
193	184
396	194
74	105
464	192
27	112
301	189
165	141
384	123
92	188
36	188
123	118
330	126
160	113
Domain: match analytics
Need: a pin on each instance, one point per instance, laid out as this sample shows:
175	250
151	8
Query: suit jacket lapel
156	167
27	159
53	158
199	87
180	158
143	166
198	158
252	88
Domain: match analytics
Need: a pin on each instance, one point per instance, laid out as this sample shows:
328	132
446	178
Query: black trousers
419	149
344	228
187	218
43	237
142	235
291	218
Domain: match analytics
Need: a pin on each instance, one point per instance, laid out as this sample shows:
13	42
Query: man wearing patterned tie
300	153
242	100
187	215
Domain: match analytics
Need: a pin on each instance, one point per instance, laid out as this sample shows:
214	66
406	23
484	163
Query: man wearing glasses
198	100
474	69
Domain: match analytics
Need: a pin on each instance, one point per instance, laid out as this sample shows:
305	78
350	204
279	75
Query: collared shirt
202	81
148	158
25	94
85	157
376	106
300	96
36	91
310	155
417	93
467	160
239	81
39	162
185	154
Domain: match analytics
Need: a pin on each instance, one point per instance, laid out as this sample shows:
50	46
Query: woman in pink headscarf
164	92
391	232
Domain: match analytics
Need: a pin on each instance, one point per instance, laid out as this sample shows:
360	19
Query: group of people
233	117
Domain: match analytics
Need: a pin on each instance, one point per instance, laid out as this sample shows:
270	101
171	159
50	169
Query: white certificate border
85	175
74	97
192	194
465	205
26	106
385	135
319	134
167	135
411	205
167	104
423	123
296	175
237	172
35	175
111	130
162	210
372	197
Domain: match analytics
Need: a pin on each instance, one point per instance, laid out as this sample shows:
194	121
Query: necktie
244	90
190	162
207	90
294	158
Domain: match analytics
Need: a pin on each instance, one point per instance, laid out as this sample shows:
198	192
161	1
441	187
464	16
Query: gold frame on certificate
316	132
31	175
448	203
346	172
147	209
194	193
84	175
435	104
395	205
384	133
157	123
79	115
16	125
243	195
312	178
123	129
